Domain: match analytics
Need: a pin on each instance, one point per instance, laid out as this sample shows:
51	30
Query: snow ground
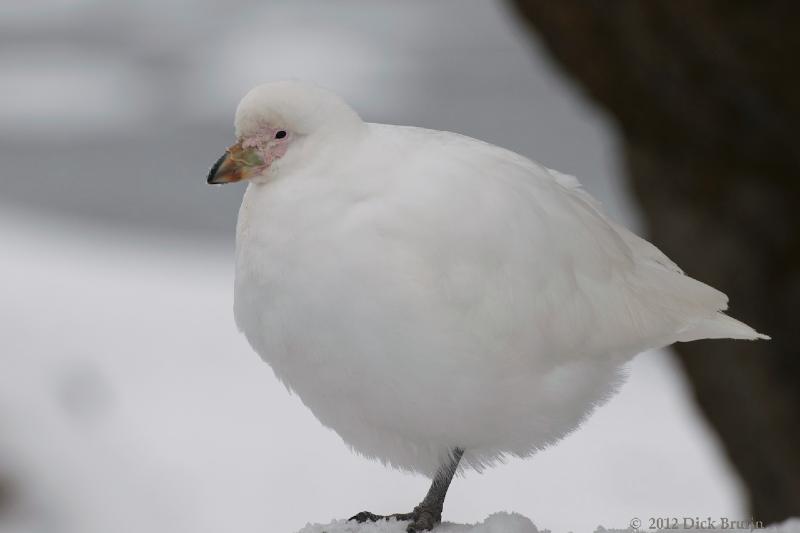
505	523
496	523
129	402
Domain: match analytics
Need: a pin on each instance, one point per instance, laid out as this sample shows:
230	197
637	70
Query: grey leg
428	513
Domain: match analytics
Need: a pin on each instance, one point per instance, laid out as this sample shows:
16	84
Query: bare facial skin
251	156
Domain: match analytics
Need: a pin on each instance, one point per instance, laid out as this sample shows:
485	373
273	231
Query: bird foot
366	516
423	518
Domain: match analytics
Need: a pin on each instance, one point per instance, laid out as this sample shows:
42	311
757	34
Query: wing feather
538	246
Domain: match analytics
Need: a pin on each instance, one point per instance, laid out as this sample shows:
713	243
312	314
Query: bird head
281	126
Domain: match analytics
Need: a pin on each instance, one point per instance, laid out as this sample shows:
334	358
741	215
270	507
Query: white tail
720	326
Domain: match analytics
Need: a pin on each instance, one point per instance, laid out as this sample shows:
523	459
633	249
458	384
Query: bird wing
524	248
717	325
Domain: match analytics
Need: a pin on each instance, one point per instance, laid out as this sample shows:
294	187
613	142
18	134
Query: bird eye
280	135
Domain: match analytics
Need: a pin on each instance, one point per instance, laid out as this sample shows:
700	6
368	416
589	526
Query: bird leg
429	512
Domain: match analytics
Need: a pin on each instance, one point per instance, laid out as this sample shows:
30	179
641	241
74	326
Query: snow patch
510	523
496	523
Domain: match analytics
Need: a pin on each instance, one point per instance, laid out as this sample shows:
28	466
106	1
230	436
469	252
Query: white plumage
423	291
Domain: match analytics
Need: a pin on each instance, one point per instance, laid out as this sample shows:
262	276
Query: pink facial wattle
267	145
251	156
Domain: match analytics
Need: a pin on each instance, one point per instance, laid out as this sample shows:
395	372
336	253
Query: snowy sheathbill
438	301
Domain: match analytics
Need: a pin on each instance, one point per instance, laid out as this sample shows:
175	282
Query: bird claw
422	519
366	516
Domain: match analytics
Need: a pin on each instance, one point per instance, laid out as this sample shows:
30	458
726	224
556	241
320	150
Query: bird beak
236	164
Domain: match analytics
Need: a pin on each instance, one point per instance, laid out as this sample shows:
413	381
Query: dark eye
280	135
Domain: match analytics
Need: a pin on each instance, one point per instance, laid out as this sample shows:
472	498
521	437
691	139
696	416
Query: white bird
438	301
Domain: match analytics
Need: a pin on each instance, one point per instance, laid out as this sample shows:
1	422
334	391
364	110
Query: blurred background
129	402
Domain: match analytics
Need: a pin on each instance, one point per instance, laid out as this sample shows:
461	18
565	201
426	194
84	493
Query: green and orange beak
236	164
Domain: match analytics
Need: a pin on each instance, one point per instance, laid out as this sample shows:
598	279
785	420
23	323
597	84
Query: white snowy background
129	402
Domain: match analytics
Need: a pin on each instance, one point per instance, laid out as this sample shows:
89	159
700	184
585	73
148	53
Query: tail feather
720	326
668	290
